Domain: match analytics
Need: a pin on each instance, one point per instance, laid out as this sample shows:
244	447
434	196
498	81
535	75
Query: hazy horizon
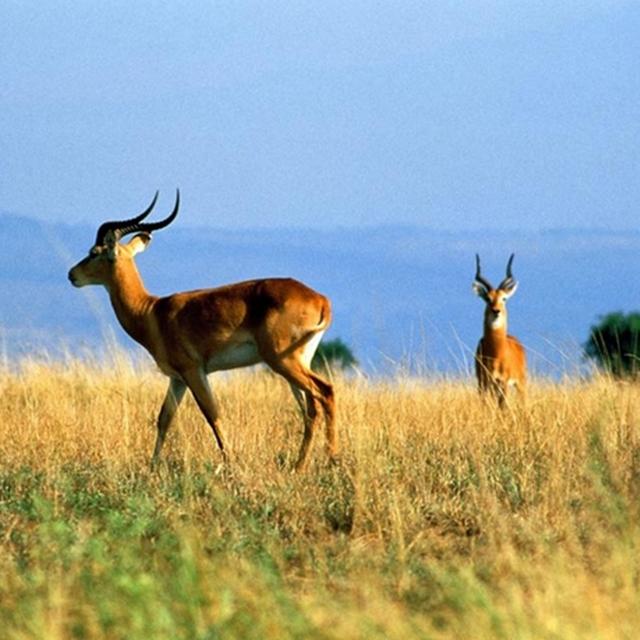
183	223
401	297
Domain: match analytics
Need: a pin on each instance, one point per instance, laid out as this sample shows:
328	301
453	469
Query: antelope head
496	299
108	255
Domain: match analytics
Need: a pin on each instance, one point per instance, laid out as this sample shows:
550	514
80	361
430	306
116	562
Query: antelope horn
509	279
120	225
485	283
154	226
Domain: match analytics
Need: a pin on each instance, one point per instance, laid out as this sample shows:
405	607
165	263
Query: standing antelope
279	321
500	358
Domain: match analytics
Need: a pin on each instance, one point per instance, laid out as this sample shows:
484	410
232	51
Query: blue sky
453	115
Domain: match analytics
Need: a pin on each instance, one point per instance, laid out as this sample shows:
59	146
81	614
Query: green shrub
614	344
333	355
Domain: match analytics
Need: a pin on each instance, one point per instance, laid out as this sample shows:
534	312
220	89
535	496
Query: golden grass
445	517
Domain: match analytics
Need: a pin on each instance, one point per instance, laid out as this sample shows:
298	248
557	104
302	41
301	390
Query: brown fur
193	333
500	358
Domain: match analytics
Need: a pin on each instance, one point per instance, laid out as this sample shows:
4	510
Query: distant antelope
279	321
500	358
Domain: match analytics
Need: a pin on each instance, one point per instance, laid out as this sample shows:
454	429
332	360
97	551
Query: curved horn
154	226
122	225
509	274
509	279
485	283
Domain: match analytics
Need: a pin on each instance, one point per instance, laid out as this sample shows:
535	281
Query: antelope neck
495	338
130	300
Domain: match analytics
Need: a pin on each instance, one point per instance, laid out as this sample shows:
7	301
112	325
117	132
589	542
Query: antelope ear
480	290
510	289
138	243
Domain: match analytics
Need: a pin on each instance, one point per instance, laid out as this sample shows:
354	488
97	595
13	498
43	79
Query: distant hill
401	295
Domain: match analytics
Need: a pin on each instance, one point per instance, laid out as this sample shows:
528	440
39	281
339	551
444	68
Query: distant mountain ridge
401	295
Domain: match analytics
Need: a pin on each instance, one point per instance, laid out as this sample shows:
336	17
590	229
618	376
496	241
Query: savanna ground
444	519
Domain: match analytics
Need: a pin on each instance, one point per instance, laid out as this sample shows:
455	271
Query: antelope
278	321
500	358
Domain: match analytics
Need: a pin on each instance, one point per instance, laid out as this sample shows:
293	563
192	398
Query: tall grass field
444	518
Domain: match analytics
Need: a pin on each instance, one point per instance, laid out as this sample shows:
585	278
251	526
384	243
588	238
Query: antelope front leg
172	399
500	389
198	382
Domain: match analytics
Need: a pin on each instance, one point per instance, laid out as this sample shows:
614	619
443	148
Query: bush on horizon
333	355
614	344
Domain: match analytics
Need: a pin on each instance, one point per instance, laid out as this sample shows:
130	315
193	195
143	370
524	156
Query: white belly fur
244	354
241	354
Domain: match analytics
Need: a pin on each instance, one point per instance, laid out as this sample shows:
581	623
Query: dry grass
444	519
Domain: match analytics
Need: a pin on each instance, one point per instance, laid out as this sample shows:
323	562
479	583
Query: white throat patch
498	322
